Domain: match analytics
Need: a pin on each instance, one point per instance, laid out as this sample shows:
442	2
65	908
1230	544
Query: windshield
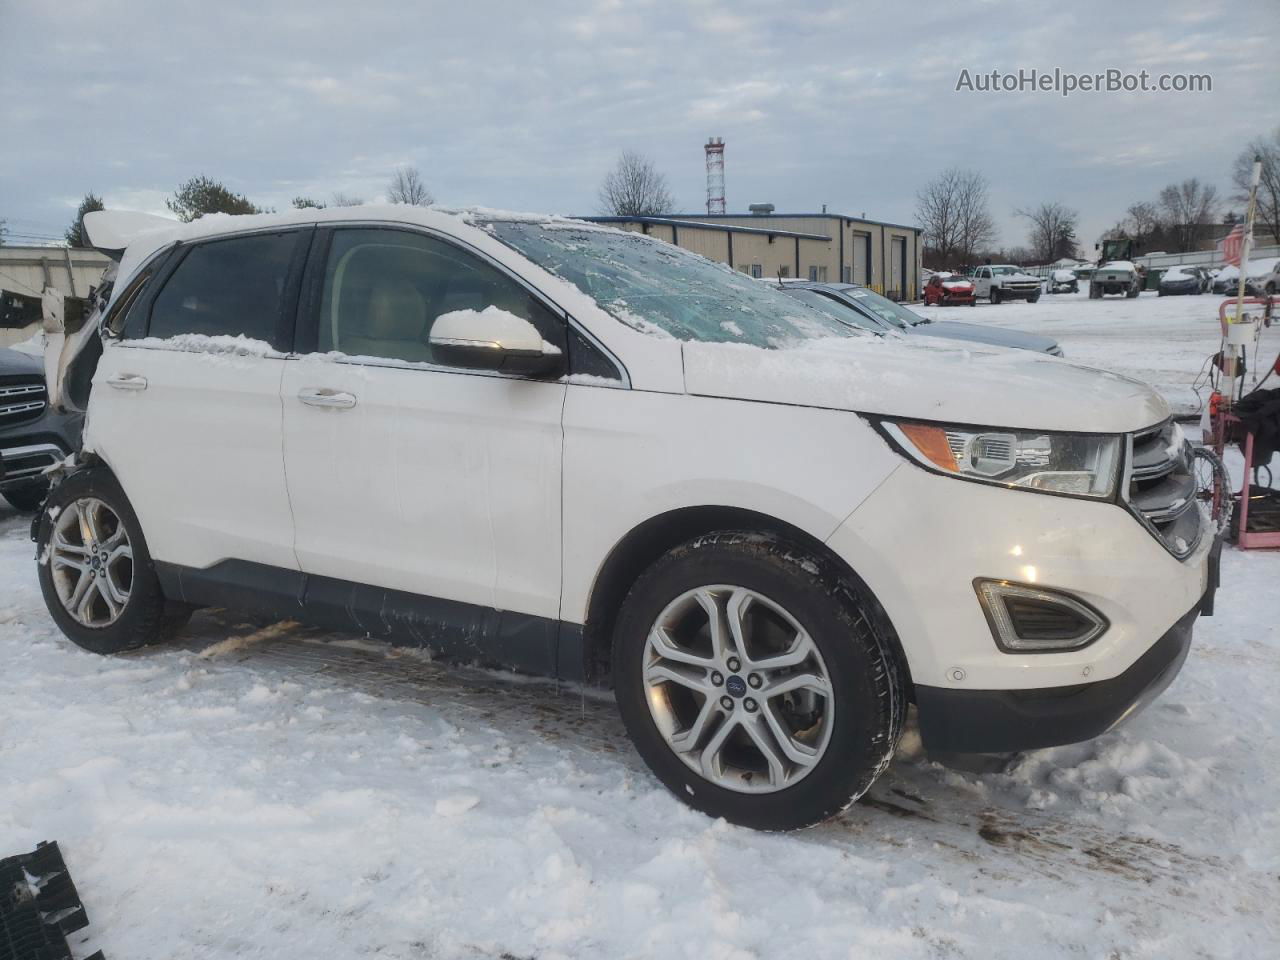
840	311
660	289
1003	271
894	314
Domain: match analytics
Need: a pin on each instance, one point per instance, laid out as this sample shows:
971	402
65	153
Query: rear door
186	402
407	474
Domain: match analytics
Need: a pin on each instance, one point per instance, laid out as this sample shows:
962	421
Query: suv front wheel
95	571
755	683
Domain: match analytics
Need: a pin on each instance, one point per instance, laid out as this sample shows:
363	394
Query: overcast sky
525	105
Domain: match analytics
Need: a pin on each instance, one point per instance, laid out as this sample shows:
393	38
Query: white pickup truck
1005	282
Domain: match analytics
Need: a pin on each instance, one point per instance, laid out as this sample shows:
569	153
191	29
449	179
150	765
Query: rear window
232	287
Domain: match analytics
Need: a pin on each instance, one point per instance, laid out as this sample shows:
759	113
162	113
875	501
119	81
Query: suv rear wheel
754	683
95	571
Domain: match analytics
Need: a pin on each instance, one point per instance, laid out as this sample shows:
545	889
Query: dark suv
33	435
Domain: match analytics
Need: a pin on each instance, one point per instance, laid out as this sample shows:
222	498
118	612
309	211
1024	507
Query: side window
384	289
227	287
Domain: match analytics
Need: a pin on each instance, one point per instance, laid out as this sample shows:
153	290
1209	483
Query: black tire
1034	298
868	688
27	497
995	295
146	617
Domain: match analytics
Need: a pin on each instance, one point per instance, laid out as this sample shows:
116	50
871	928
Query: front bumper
920	540
1006	721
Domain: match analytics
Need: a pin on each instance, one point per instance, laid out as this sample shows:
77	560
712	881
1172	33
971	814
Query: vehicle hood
957	284
1063	276
16	363
922	378
980	333
1117	267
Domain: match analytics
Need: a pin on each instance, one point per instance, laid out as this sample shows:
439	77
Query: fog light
1030	619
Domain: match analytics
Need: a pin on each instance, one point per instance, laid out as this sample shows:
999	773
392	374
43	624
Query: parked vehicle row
541	444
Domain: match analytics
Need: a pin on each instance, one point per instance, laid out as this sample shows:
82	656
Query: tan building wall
882	256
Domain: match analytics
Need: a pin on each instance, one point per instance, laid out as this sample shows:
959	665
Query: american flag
1231	245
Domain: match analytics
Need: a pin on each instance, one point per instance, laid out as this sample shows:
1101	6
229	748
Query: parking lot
352	799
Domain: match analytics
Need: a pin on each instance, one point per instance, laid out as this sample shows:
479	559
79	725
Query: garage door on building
897	267
862	258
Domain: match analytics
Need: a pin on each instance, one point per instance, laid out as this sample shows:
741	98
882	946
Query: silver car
882	314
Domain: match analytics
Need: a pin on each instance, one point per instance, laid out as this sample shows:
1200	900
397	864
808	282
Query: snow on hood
956	284
1119	265
927	380
1063	276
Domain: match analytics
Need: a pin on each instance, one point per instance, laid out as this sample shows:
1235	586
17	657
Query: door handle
332	399
127	381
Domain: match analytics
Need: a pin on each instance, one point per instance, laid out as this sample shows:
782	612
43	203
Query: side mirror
492	339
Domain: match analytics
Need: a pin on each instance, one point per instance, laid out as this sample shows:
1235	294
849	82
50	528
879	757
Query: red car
948	288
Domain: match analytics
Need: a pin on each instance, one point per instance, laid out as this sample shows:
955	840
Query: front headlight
1074	464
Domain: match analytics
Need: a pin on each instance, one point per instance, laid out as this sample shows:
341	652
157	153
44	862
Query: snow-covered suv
585	453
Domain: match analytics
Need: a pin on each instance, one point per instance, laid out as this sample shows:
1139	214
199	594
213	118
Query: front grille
21	400
1162	487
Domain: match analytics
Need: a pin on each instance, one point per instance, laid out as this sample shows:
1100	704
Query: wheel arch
646	543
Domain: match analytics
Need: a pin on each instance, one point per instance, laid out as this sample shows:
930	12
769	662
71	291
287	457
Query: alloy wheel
738	689
91	561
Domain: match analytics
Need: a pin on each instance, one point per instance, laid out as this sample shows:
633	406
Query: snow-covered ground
281	793
1165	341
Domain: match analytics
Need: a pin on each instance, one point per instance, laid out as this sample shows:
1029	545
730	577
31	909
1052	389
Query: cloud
527	105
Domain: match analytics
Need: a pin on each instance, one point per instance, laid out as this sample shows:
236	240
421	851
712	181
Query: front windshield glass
894	314
663	290
1003	271
837	309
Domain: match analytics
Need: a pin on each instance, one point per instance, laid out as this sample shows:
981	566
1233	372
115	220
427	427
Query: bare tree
1266	149
1189	207
635	188
1053	231
938	211
976	229
407	187
1142	219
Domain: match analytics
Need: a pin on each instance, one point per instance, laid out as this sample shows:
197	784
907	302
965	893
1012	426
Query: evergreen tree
200	195
75	233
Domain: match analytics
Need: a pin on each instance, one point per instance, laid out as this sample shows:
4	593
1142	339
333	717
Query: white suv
579	452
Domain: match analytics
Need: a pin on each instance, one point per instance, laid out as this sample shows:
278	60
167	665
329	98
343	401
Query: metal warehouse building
813	246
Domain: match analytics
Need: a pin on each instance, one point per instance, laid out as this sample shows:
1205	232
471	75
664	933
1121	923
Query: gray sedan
880	314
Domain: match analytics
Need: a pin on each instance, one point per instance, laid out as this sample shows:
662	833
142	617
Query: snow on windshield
664	291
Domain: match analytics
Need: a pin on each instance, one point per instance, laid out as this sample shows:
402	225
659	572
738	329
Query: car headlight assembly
1068	464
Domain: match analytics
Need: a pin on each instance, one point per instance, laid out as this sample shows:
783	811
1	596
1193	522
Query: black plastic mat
39	906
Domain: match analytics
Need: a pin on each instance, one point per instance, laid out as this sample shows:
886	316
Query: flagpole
1236	344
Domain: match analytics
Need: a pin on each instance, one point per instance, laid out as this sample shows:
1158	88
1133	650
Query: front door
408	475
186	406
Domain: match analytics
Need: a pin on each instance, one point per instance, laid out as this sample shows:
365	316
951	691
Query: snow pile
281	796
